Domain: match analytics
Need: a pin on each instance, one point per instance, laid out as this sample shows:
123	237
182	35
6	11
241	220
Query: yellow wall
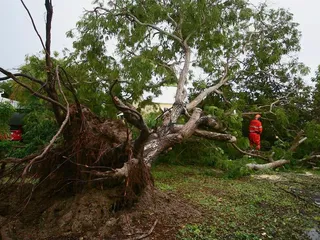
155	108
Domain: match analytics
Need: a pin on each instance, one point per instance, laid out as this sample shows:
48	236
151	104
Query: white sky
18	39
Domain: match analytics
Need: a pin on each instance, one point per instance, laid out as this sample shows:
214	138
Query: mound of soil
93	214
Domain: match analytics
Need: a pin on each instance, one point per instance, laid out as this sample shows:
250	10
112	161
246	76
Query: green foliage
311	145
6	111
39	128
234	168
312	132
7	87
207	153
197	232
7	147
151	119
216	31
193	152
230	118
316	96
91	93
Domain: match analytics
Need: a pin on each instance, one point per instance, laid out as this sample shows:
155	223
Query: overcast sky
18	39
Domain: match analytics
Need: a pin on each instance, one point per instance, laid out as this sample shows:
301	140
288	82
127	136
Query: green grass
245	208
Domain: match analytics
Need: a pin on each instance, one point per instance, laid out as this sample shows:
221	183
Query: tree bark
272	165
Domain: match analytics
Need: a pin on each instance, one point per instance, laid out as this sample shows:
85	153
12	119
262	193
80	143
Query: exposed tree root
95	153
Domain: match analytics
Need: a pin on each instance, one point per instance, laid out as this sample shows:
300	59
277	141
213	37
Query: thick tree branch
215	136
222	81
188	129
207	134
133	117
299	139
274	164
49	8
210	122
208	91
180	94
156	146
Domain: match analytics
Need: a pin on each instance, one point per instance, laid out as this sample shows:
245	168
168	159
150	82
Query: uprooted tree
216	46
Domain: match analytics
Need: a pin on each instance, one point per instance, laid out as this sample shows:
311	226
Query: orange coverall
255	129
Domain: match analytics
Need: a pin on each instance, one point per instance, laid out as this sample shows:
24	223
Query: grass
245	208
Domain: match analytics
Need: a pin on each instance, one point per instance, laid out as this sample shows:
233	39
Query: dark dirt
93	215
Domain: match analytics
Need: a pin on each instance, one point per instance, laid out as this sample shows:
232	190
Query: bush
6	111
39	128
235	168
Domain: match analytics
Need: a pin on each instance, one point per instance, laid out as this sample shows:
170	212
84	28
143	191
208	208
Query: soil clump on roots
94	215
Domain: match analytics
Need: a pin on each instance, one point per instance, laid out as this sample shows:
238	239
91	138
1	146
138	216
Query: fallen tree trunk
271	165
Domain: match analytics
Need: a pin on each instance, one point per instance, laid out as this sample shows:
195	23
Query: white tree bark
271	165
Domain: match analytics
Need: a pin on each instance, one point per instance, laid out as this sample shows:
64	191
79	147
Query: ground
189	202
268	206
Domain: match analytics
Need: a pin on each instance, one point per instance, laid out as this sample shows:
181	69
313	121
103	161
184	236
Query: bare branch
155	27
148	233
223	96
49	8
134	18
208	91
249	153
34	25
271	106
13	77
57	134
298	140
18	160
309	158
23	75
169	66
172	20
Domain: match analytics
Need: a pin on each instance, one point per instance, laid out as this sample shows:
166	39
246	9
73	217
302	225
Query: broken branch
57	134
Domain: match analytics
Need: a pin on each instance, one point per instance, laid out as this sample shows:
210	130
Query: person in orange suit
255	130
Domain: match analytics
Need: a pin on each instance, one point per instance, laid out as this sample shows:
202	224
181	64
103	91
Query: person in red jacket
255	130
